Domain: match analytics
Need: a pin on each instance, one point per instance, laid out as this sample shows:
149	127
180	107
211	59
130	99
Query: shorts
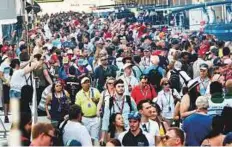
6	96
93	126
15	94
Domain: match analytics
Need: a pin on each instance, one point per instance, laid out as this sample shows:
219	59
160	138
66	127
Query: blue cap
73	143
134	115
228	139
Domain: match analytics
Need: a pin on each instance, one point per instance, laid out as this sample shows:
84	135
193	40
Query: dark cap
228	139
218	62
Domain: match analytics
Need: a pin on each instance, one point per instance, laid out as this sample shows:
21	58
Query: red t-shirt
139	94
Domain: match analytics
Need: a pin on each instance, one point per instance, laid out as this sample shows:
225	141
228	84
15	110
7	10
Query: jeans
15	94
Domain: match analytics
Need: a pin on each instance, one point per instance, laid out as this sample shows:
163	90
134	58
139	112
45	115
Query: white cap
126	65
84	79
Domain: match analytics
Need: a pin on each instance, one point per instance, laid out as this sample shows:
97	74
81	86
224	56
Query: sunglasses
165	84
52	137
110	83
202	70
103	59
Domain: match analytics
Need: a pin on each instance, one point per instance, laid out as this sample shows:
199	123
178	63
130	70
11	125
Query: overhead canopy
36	7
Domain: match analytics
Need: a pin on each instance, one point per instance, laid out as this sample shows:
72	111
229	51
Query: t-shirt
86	101
139	94
142	139
215	108
151	127
5	68
71	130
18	80
197	127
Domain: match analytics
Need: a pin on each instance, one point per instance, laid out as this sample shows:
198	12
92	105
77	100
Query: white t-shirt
5	68
216	108
18	80
76	131
152	127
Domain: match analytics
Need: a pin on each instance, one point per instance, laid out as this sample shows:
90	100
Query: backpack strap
111	104
92	92
63	125
128	100
139	69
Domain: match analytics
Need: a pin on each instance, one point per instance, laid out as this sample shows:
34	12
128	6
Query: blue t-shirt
196	127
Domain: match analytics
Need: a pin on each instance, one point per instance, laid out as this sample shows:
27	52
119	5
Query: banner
7	9
47	1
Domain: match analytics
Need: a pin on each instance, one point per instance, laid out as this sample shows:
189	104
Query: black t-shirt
140	140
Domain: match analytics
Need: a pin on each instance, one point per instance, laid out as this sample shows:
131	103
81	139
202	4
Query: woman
187	104
105	95
116	126
215	137
204	79
166	99
59	101
156	116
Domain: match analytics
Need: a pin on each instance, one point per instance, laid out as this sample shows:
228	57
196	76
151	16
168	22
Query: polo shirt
142	139
85	100
139	94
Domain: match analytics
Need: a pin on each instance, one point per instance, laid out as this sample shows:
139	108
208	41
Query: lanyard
202	82
88	97
120	108
143	93
128	83
146	61
168	99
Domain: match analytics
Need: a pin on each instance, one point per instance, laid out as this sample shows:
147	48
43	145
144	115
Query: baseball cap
218	62
204	66
228	139
134	115
126	65
84	80
4	49
202	102
73	143
202	52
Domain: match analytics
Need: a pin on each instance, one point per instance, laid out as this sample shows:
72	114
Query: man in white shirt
73	125
147	125
129	80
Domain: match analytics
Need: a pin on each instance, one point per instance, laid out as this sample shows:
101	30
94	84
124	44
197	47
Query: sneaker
6	119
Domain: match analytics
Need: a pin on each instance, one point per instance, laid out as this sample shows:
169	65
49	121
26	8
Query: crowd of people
104	81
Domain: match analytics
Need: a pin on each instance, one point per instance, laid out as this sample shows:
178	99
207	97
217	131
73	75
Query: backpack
59	135
128	100
155	77
62	74
2	60
175	80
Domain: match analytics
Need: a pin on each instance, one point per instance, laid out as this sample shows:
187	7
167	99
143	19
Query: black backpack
175	80
155	77
128	100
59	135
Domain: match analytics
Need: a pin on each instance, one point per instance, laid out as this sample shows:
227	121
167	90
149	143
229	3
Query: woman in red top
143	91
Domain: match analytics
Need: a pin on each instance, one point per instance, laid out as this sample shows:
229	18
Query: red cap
54	58
202	51
4	49
156	53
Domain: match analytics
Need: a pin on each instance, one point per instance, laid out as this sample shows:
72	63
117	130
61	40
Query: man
129	80
178	78
135	136
143	91
174	137
42	135
155	73
88	98
216	101
5	77
137	68
120	102
103	71
74	124
147	125
198	125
